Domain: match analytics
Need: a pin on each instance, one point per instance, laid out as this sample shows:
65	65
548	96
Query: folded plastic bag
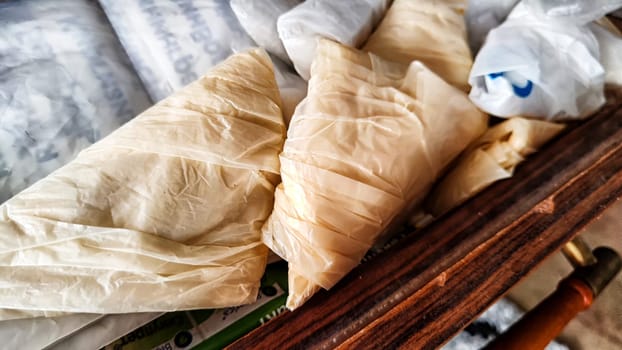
493	157
484	15
163	214
259	18
347	22
574	11
65	83
363	148
430	31
610	47
174	42
539	68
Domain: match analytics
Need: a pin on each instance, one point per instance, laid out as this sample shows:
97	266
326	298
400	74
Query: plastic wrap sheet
493	157
163	214
430	31
363	148
65	82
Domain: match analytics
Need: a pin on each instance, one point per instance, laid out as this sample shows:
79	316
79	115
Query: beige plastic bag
430	31
363	147
163	214
493	157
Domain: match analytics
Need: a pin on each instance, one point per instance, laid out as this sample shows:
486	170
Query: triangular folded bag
492	157
430	31
163	214
363	147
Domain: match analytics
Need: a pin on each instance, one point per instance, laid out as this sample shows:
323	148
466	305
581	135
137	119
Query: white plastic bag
482	16
610	46
65	82
259	18
538	68
172	43
347	22
574	11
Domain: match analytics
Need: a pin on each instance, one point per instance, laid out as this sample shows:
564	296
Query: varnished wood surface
431	285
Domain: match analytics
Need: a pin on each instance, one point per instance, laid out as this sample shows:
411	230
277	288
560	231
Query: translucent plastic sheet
430	31
363	148
163	214
65	82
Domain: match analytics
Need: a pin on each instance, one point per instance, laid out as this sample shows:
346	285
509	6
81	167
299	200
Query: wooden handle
543	323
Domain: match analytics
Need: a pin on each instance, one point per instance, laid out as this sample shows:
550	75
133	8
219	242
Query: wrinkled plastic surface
174	42
610	47
347	22
538	68
482	16
259	18
363	147
574	11
163	214
430	31
493	157
65	82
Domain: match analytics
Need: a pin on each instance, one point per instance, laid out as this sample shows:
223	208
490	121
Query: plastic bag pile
176	209
163	214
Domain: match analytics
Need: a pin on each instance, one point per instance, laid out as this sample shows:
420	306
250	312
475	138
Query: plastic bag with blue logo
536	67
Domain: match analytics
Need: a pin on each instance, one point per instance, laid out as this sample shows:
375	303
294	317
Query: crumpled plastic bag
363	148
430	31
484	15
163	214
493	157
259	18
610	48
538	68
573	11
65	83
347	22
